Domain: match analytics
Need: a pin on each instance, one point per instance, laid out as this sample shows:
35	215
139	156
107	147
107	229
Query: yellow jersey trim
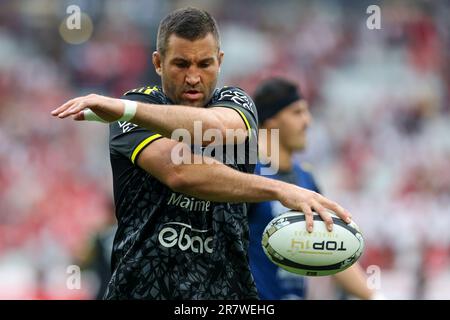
144	90
142	145
246	122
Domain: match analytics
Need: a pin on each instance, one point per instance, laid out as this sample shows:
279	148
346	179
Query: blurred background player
281	106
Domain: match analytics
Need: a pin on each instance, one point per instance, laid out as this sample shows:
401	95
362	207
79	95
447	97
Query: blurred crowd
379	142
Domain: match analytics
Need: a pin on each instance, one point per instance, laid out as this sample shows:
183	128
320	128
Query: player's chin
298	145
198	103
300	142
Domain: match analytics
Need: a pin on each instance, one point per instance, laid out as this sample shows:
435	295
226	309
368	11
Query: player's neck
279	156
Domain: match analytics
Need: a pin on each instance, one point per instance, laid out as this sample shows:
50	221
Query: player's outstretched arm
217	182
161	119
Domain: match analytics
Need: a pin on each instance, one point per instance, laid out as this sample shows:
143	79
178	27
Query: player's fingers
74	109
309	217
324	214
83	103
64	107
61	108
337	209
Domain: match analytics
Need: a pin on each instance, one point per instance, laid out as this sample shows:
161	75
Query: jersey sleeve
128	139
236	98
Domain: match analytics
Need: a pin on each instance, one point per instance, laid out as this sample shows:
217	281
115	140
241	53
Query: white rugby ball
289	245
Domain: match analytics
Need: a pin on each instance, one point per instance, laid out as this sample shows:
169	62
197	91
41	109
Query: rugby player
281	106
182	228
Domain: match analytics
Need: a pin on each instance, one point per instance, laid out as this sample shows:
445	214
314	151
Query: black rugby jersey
170	245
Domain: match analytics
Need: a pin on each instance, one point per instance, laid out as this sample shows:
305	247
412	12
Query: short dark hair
273	95
187	23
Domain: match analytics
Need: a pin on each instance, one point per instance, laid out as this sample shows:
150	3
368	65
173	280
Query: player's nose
192	78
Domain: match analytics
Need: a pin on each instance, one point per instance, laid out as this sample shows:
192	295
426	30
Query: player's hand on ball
99	108
307	201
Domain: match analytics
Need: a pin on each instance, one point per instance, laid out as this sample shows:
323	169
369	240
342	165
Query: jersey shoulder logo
126	126
237	96
143	90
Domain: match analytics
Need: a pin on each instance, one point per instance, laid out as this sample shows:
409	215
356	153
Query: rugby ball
288	244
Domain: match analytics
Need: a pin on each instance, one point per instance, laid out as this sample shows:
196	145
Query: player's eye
182	64
204	65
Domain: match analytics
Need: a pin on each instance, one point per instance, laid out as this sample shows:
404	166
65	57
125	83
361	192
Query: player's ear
220	58
156	59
